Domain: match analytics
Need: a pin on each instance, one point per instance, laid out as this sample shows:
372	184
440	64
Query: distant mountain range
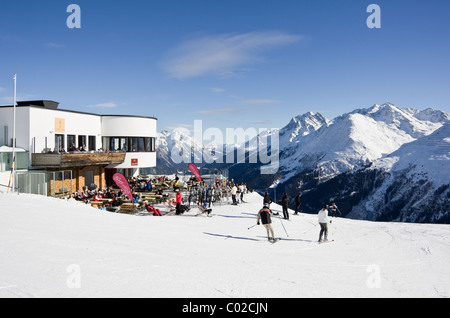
377	163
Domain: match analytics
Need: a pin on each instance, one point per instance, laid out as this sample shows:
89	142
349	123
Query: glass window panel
115	144
134	144
124	144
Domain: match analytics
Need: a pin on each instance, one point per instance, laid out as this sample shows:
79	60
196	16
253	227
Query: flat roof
52	105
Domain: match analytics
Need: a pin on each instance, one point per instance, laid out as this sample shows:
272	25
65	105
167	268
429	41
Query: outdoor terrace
66	160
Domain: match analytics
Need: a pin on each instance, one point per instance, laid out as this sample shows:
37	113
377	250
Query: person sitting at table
72	147
150	209
78	196
171	203
107	193
97	196
116	202
149	186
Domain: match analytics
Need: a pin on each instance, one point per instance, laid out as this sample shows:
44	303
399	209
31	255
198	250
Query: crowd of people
177	196
205	195
180	196
115	198
87	195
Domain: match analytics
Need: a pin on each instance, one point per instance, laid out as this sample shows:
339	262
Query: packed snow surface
57	248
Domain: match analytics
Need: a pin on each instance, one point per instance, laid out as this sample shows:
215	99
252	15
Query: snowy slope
54	248
429	154
417	182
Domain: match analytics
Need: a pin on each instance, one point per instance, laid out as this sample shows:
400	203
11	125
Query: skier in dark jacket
333	209
267	199
285	204
297	203
264	215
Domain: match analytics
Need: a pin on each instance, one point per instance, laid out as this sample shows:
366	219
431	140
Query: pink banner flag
122	182
194	170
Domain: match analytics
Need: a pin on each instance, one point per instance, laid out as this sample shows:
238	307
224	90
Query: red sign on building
134	162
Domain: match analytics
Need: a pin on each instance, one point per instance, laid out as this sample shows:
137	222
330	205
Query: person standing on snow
334	209
297	202
241	191
179	202
323	221
267	199
285	205
233	194
264	215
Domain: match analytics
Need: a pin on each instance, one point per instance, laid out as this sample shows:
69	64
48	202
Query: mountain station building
58	150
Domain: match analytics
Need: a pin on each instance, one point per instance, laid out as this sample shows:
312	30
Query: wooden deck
67	160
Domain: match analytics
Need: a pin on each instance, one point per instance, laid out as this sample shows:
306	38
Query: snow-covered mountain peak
355	138
384	111
431	115
302	125
413	122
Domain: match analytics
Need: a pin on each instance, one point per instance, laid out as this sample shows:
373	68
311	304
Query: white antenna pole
14	136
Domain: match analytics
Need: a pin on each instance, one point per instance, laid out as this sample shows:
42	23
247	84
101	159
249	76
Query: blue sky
247	63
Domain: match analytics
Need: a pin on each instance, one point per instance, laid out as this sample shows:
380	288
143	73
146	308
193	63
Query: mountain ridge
316	152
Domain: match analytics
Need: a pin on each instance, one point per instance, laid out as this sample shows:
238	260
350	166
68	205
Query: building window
141	143
124	144
59	143
106	143
3	135
134	144
114	145
129	144
92	143
149	144
82	142
71	146
6	159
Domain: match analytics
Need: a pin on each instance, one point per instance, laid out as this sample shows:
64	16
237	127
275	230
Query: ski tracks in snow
13	291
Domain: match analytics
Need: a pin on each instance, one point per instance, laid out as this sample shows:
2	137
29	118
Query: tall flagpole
14	136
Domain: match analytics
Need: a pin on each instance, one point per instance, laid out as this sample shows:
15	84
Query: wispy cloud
217	89
222	54
225	110
104	105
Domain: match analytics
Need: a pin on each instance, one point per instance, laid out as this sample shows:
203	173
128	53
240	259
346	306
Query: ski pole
284	228
252	226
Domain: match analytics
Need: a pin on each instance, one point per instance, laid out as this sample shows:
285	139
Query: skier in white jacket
233	194
323	221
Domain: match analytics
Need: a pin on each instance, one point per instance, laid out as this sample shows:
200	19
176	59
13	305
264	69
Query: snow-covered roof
10	149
